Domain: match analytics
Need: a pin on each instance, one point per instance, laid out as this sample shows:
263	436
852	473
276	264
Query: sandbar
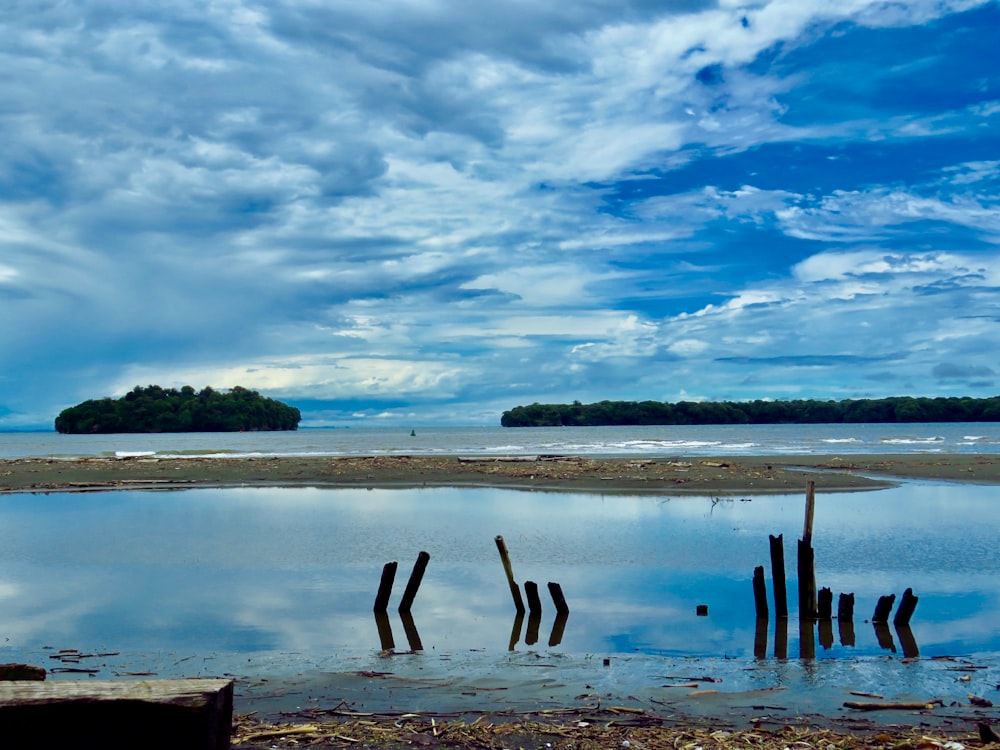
722	475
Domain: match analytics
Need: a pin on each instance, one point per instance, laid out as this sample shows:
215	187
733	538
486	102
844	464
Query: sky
430	211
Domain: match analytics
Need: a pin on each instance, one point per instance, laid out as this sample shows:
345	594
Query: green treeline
156	409
897	409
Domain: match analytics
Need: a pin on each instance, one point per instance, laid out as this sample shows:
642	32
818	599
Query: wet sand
720	475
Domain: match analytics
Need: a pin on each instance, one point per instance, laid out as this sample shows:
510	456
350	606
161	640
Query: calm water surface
259	573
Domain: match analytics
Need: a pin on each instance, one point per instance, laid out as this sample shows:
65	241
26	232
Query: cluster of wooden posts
816	607
530	590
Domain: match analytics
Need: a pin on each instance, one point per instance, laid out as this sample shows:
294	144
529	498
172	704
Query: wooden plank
151	714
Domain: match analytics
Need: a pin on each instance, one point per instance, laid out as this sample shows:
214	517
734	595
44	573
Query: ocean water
667	440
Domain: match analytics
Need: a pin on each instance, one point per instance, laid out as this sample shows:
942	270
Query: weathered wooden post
760	639
760	593
558	627
384	630
807	529
824	604
534	602
807	638
907	642
778	575
884	636
883	608
531	634
385	587
825	633
515	592
515	631
414	583
906	607
781	638
410	628
807	581
556	592
845	619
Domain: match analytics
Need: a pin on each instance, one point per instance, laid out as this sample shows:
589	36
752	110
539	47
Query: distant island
156	409
881	410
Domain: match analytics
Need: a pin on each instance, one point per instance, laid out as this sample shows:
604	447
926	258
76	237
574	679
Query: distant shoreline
661	475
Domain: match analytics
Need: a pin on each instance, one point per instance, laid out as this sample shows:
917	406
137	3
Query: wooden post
907	642
760	639
385	638
781	638
385	587
531	592
558	627
807	638
515	631
845	607
531	634
118	715
807	581
414	583
807	530
555	590
883	608
884	636
824	604
906	606
515	592
778	575
760	593
410	628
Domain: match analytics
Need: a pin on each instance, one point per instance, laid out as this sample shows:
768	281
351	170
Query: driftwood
151	714
884	706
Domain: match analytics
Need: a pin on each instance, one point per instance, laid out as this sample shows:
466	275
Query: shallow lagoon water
209	580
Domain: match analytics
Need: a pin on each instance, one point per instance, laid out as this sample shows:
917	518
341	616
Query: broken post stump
906	607
845	607
534	602
385	587
760	593
410	593
122	715
555	590
883	608
515	592
824	604
807	580
778	575
807	530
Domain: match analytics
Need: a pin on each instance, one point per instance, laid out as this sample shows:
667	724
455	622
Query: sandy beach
721	475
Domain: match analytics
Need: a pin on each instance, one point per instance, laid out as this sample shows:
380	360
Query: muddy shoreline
724	475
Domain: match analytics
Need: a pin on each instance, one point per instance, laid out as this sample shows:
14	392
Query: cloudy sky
429	211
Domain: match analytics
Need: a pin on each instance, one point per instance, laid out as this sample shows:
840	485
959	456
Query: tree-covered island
156	409
805	411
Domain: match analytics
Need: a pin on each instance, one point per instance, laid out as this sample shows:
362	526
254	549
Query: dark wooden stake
515	630
558	628
781	638
515	592
824	604
414	583
807	530
778	575
531	634
883	608
385	587
760	593
845	607
845	627
907	642
807	638
807	581
410	628
555	590
531	592
384	630
906	606
760	639
884	636
826	633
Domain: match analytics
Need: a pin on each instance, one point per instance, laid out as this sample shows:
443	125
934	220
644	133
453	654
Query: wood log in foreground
195	714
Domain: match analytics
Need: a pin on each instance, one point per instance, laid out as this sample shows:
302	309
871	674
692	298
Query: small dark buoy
702	610
413	433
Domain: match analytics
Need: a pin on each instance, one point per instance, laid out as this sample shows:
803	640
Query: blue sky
429	211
